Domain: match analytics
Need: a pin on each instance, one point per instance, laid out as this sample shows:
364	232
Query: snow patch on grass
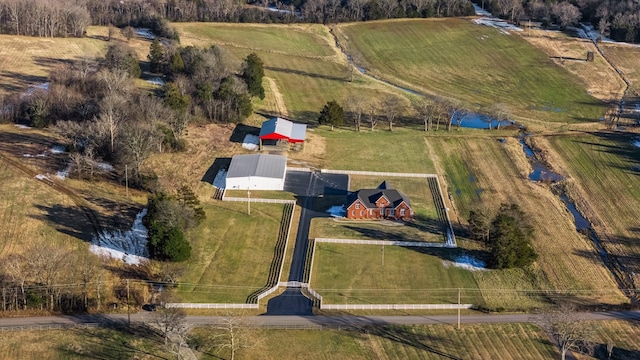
58	149
156	81
129	246
20	126
145	33
636	142
466	262
251	142
105	166
496	23
337	211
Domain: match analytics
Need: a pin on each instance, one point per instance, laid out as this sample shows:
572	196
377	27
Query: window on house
360	212
353	213
392	212
357	206
402	212
370	211
382	211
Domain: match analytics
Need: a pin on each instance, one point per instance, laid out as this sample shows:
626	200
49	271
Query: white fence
395	306
376	173
268	292
451	237
53	327
210	306
258	200
383	242
301	169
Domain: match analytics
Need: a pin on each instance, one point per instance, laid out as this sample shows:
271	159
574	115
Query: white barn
256	172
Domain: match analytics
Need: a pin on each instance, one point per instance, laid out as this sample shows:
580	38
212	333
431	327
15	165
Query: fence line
268	292
451	237
210	306
376	173
395	306
259	200
382	242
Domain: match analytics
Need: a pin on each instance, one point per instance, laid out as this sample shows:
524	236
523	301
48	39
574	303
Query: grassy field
489	341
602	82
603	169
624	58
429	55
81	344
232	252
355	274
292	55
567	260
404	151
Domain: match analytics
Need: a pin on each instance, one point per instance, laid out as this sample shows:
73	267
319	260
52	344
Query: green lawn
487	341
232	252
355	274
402	150
422	228
477	64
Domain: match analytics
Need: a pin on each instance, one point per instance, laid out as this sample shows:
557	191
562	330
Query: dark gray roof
369	197
264	165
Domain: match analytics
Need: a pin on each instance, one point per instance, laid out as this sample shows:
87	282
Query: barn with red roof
279	130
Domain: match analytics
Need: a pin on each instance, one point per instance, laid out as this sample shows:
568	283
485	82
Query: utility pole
126	179
128	311
458	308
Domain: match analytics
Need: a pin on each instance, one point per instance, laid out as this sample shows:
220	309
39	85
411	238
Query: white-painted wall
254	183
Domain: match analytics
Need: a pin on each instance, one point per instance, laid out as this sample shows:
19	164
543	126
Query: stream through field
542	173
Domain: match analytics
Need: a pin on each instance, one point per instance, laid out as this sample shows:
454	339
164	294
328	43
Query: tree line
70	18
617	19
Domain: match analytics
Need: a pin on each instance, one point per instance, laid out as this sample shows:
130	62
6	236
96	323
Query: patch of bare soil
313	154
279	99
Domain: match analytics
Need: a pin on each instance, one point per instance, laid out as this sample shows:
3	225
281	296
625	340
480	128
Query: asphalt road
330	321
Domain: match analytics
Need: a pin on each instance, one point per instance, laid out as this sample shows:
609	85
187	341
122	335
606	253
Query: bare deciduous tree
231	335
356	105
169	321
568	329
392	108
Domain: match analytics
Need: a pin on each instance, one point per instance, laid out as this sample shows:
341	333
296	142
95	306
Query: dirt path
277	96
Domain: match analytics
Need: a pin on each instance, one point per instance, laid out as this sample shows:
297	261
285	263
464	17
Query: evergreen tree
174	99
156	56
510	239
176	65
332	114
252	75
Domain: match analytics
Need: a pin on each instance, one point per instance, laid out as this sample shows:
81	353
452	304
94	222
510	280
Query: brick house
380	203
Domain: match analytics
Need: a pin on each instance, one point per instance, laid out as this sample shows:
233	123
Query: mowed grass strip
421	229
355	274
477	64
486	341
232	252
567	260
605	168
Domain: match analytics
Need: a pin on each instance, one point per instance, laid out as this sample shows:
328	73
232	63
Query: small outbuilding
256	172
279	130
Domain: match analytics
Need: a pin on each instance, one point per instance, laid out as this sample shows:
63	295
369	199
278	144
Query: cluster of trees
31	280
204	84
167	220
618	19
507	234
62	18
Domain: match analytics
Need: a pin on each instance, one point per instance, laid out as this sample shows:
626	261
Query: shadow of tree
69	220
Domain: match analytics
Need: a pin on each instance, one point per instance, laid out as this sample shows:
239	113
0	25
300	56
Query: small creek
542	173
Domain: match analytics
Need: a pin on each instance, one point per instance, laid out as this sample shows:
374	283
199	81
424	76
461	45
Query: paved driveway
315	184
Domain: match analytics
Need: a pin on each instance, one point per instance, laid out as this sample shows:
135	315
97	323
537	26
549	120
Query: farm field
26	61
487	341
232	252
97	343
603	179
500	170
420	54
292	55
570	53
